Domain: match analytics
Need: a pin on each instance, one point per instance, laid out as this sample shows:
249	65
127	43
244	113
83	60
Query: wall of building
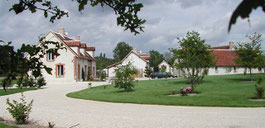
65	58
222	71
84	65
137	62
230	70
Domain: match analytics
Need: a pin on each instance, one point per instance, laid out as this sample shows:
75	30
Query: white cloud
160	40
166	20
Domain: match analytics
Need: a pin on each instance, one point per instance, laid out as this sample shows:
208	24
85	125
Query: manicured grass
15	90
225	91
2	125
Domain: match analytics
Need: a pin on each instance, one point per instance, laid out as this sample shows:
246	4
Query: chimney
77	38
231	45
139	51
61	31
134	49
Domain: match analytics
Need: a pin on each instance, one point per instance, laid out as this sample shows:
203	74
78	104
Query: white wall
91	53
111	71
225	70
222	71
66	57
137	62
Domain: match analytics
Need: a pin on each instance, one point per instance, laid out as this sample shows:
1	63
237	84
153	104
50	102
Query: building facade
139	60
75	63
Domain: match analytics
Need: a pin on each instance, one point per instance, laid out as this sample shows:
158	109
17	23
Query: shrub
259	92
41	82
83	74
89	85
186	91
19	111
51	125
29	82
124	77
90	77
89	74
102	76
259	89
173	92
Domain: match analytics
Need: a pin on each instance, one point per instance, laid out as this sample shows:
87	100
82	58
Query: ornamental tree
124	77
193	58
250	54
147	72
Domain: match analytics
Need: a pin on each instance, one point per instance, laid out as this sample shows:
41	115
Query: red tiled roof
221	47
72	43
225	58
90	48
83	45
145	56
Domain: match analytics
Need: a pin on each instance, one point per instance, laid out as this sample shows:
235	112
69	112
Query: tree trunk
251	78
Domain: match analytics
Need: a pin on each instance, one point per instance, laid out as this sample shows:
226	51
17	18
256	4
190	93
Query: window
60	70
216	69
50	56
259	69
234	69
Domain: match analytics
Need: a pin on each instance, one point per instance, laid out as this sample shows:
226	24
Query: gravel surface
51	105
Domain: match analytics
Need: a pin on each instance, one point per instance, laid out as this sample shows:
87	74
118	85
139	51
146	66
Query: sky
167	20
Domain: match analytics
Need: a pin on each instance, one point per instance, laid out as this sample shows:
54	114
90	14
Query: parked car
161	75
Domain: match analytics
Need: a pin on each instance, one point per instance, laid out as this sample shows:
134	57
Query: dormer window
50	56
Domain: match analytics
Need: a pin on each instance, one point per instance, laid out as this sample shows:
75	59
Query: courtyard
52	105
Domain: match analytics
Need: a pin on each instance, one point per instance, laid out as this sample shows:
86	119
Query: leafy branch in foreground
244	9
126	10
17	64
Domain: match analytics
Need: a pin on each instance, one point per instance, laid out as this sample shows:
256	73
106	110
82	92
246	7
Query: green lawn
2	125
16	90
226	91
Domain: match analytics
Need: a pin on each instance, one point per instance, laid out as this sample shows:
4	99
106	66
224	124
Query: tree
194	58
15	65
244	9
121	50
163	68
124	77
155	58
103	62
168	56
250	54
147	72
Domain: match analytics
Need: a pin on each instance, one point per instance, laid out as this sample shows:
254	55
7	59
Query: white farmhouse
168	67
75	59
139	60
225	62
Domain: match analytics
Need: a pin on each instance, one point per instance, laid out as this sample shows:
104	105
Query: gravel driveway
51	105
